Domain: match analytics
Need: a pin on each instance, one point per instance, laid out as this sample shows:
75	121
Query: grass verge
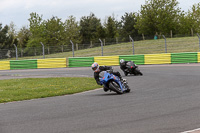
174	45
32	88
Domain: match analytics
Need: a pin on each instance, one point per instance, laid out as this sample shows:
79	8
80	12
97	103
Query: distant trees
54	31
89	28
3	35
7	37
189	22
194	18
23	37
158	16
71	30
127	25
111	28
37	29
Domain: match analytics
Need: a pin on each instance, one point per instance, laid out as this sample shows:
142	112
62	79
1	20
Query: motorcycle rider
97	69
123	65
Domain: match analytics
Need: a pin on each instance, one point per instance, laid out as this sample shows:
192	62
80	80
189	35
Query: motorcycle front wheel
128	90
138	72
115	87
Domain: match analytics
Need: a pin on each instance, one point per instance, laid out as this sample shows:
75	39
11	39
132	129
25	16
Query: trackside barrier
51	63
4	65
80	61
23	64
137	59
198	57
107	60
165	58
157	59
184	58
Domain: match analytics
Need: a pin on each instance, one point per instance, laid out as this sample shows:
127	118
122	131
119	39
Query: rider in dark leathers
123	65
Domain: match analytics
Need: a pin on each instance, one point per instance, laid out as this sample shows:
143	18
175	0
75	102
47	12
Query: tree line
156	17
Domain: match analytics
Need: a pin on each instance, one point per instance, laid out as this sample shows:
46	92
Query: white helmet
122	61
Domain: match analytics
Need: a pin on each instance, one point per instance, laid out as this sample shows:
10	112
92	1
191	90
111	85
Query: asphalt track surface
166	99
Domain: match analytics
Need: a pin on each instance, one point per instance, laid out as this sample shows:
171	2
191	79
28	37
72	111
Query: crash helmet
122	61
95	67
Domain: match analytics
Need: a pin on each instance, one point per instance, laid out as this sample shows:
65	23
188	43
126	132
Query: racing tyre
138	72
115	87
128	89
125	73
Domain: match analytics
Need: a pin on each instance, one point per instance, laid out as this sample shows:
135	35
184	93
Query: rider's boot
124	80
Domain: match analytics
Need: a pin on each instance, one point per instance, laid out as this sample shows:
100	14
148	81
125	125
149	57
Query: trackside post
16	51
43	49
132	44
199	40
72	47
101	46
165	44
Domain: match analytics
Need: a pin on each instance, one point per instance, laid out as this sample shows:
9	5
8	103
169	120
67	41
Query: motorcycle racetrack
166	99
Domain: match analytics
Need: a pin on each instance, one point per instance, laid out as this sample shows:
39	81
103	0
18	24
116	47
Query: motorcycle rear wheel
125	73
140	73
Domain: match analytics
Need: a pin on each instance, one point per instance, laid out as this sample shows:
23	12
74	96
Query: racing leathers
123	66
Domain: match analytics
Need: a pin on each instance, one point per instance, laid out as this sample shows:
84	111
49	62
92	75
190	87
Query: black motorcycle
132	69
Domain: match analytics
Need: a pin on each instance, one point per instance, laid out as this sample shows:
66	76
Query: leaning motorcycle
113	82
132	69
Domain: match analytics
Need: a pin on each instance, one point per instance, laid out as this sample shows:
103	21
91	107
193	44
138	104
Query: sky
18	11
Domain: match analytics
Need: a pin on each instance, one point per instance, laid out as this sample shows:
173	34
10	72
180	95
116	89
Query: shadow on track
110	94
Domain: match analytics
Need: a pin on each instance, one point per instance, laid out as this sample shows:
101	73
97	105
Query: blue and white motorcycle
113	83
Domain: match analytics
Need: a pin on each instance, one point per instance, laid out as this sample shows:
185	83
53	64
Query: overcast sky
18	11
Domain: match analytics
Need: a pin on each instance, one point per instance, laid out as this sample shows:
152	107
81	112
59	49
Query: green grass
174	45
32	88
